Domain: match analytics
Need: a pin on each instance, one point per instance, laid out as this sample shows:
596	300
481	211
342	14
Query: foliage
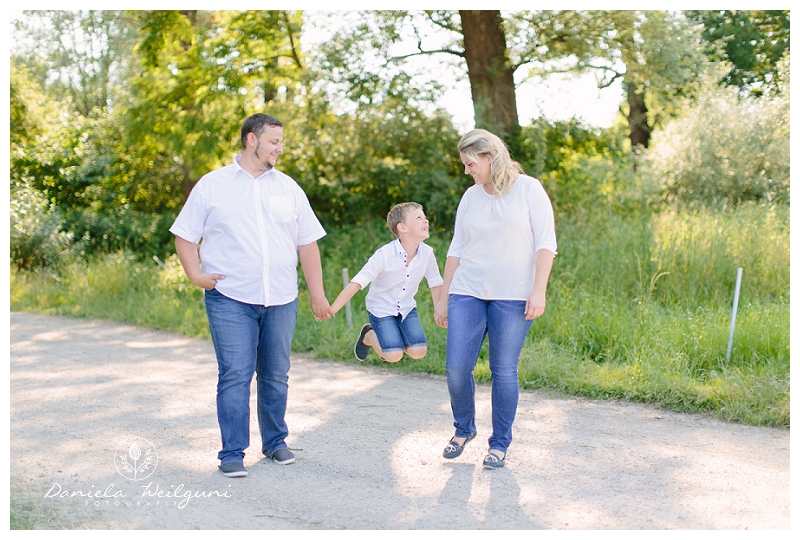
654	53
204	72
26	108
82	55
753	41
36	238
119	174
580	167
356	165
725	148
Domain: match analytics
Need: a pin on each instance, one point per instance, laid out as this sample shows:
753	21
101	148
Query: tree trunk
637	117
491	76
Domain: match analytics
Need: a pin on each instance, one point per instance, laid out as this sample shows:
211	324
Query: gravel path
368	442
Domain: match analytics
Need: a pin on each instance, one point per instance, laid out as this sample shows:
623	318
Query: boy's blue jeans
469	321
250	339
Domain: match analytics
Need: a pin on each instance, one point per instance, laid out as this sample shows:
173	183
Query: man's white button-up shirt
394	282
250	230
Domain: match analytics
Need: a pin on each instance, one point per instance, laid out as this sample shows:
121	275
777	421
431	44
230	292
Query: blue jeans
396	333
469	321
250	339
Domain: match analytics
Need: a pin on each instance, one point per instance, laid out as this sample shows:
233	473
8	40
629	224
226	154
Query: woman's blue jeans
251	339
469	321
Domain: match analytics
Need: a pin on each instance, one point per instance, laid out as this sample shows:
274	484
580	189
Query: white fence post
735	309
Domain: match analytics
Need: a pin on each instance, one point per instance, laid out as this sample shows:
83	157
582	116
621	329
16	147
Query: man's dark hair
255	124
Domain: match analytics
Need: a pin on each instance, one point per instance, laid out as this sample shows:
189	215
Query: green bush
36	238
725	148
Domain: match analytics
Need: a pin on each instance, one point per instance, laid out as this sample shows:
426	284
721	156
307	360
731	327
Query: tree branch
295	56
616	76
460	54
441	24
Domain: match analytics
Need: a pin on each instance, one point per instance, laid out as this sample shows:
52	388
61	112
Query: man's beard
267	166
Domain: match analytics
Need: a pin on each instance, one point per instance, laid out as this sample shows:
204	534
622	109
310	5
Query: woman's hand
440	312
534	306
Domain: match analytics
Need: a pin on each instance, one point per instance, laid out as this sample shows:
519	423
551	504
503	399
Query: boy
395	271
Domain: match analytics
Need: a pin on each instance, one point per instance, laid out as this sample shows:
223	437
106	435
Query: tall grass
638	308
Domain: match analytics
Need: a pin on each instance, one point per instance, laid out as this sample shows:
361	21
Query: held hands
321	308
440	312
534	306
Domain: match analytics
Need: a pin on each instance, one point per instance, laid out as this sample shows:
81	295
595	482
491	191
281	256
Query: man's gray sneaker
282	456
233	469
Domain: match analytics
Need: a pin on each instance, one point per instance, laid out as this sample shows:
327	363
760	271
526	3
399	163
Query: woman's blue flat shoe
491	461
453	449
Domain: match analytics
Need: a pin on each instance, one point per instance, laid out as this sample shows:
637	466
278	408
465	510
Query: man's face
269	146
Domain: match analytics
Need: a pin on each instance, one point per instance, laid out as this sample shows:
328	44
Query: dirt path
368	442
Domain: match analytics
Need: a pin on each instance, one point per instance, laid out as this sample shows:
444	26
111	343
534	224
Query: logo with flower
136	458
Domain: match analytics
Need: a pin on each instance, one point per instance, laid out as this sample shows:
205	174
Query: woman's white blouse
496	240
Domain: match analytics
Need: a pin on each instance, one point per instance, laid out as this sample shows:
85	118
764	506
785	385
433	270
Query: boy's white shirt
392	283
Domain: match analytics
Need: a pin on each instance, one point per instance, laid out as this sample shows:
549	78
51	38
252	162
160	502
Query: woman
495	280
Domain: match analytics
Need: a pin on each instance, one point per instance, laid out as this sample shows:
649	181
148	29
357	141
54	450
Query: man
253	221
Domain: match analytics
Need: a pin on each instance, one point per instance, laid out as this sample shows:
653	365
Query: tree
753	41
654	53
475	38
491	75
203	72
79	56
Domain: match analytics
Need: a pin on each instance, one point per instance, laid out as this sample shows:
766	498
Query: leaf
135	452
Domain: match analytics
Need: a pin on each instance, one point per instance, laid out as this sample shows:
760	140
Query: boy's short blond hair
397	214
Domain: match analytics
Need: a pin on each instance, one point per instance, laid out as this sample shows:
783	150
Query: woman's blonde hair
505	171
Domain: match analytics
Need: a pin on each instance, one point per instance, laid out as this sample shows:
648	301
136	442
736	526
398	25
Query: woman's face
480	168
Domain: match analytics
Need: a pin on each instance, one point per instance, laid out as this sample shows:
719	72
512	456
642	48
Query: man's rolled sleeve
191	220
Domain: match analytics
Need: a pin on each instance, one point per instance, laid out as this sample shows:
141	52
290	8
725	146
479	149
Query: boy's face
415	225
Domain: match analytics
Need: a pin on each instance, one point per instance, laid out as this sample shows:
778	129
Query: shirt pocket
281	209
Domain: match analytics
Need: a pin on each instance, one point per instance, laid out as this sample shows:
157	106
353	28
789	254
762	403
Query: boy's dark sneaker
282	456
362	349
233	469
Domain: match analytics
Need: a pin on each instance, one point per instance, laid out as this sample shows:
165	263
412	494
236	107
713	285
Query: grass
33	512
638	309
